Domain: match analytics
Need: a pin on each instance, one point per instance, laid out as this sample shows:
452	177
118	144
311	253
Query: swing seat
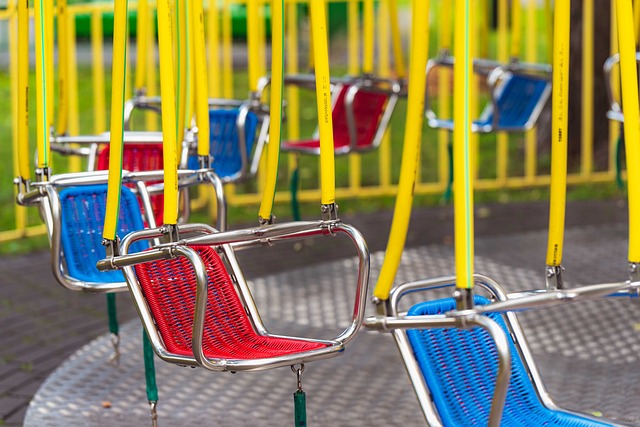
518	93
232	140
140	157
82	210
169	287
460	365
360	116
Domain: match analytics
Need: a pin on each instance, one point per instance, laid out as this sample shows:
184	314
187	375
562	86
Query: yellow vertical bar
275	124
253	43
396	40
21	142
182	70
293	93
516	28
63	68
50	64
119	73
587	88
151	119
411	148
19	63
384	69
636	19
352	36
530	138
227	60
42	82
323	99
631	126
169	128
502	139
201	83
142	44
463	176
73	125
97	70
444	90
549	19
367	29
213	36
560	103
190	104
614	129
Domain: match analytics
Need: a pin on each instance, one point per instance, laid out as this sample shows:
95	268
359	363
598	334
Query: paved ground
42	323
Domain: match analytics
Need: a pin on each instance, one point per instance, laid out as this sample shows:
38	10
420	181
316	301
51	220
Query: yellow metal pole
412	140
516	29
323	99
151	119
142	45
97	70
22	81
213	36
73	125
119	73
530	138
384	69
169	127
631	126
444	90
201	83
396	40
352	36
42	82
275	108
50	64
355	164
636	20
614	129
293	93
253	43
367	29
560	103
587	87
502	139
63	68
182	71
227	60
462	169
548	12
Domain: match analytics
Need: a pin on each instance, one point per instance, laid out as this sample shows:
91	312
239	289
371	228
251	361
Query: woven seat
368	108
460	366
83	209
140	157
169	287
225	143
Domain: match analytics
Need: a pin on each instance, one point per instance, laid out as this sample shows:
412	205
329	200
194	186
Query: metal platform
588	352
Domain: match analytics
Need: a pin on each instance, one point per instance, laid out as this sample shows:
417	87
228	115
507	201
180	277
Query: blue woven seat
460	366
519	100
82	220
224	140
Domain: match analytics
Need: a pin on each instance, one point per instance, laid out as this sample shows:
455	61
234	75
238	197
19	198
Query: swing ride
187	284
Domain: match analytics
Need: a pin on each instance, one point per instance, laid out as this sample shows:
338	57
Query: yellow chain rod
182	71
201	84
411	150
516	28
396	40
369	38
118	75
626	44
63	68
42	82
23	89
559	105
275	107
142	44
323	99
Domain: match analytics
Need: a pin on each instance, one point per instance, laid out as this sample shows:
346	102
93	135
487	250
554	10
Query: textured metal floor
588	352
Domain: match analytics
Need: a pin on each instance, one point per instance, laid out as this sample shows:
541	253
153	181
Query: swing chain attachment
634	279
464	299
553	276
170	233
298	372
115	357
153	404
329	212
113	250
267	221
43	174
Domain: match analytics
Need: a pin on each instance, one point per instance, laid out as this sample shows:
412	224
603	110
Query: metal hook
115	357
298	372
154	414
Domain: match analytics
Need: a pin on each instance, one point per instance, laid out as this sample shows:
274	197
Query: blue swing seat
460	366
519	99
225	143
82	220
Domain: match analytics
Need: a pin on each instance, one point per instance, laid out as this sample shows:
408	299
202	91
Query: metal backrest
459	367
140	157
519	99
367	108
81	223
232	139
169	287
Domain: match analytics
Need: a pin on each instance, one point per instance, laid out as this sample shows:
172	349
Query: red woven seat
368	108
169	286
140	157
